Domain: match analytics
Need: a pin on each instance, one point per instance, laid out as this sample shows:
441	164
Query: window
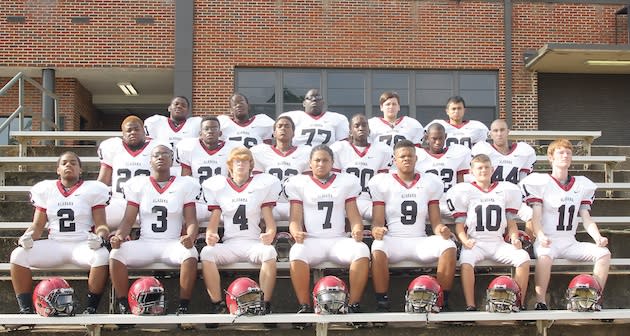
13	126
423	94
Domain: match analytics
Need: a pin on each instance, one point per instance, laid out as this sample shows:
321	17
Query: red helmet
424	295
53	297
503	295
330	296
583	294
146	297
526	242
244	297
283	243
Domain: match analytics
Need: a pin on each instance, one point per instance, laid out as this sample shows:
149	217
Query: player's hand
517	243
379	232
602	242
357	235
211	239
299	237
267	238
115	241
26	240
187	240
445	232
94	241
469	243
544	241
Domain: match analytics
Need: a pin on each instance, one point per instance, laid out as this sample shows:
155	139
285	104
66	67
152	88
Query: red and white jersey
202	162
161	209
162	128
362	162
453	161
468	133
267	159
241	206
521	158
324	204
404	127
250	133
485	211
406	206
325	128
560	203
124	162
69	212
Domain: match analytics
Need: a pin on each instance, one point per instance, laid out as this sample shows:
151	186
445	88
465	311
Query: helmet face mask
244	297
283	243
54	297
330	296
424	295
583	294
503	295
146	297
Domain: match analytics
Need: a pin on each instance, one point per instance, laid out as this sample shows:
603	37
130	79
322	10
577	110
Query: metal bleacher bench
609	163
24	138
535	135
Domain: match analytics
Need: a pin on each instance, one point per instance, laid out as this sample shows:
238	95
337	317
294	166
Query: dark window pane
434	80
13	126
297	83
346	110
478	81
259	95
426	114
255	78
484	114
269	110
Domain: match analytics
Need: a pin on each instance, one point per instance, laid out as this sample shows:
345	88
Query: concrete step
30	178
81	150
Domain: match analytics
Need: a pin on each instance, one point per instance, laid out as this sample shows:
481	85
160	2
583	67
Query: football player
483	211
73	212
364	160
282	159
314	126
241	200
168	227
390	128
402	201
556	200
243	128
459	130
319	205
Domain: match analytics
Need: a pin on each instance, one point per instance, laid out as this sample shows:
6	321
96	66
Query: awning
581	58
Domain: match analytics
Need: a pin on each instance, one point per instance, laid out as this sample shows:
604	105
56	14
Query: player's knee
360	251
298	252
269	253
521	258
379	245
19	257
100	257
118	255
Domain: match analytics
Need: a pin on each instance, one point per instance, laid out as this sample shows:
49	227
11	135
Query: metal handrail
19	111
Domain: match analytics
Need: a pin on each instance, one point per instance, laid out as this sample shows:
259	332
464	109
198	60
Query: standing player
204	157
390	128
241	200
177	126
402	202
556	200
451	163
70	209
122	159
459	130
483	211
319	205
314	126
282	160
168	228
240	127
364	160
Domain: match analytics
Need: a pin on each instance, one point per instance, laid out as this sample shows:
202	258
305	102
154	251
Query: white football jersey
468	133
324	204
162	128
521	158
267	159
253	132
455	160
241	206
364	163
69	212
485	211
325	128
560	203
124	162
403	128
406	207
202	162
161	209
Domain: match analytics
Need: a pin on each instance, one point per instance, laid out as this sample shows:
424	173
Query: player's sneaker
541	306
89	311
471	308
355	308
27	310
216	308
381	307
304	309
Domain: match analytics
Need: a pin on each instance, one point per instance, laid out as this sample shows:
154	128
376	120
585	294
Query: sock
93	300
445	294
25	301
183	303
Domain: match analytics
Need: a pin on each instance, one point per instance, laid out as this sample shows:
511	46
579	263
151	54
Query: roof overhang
580	58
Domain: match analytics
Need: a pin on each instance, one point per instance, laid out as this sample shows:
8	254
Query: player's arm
186	171
270	225
296	222
100	224
378	220
460	176
129	218
591	227
192	226
462	235
439	229
512	230
212	232
354	217
39	224
535	225
105	174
